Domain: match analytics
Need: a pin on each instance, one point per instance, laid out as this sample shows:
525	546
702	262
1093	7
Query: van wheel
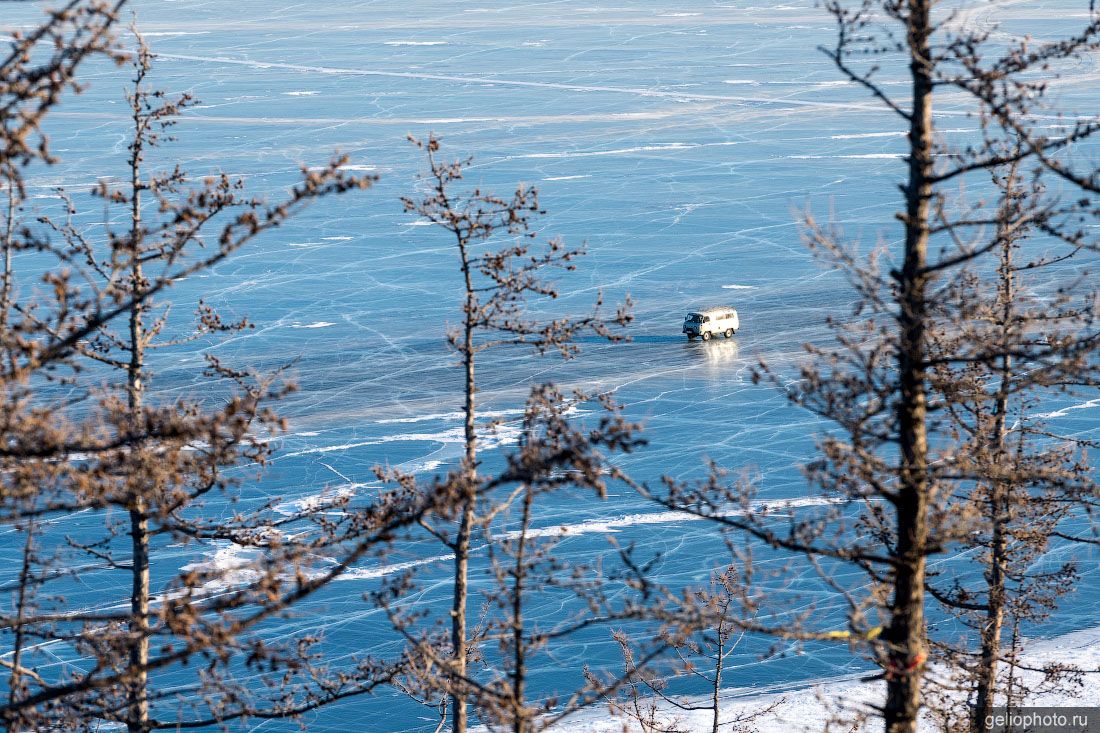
691	337
729	332
705	335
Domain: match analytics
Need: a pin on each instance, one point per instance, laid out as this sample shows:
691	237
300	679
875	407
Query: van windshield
694	318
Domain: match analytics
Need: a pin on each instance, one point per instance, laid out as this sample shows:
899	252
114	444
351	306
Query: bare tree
890	466
712	625
1029	480
37	69
72	448
557	458
497	283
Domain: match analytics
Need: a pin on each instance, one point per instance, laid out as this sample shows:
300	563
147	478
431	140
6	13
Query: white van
711	322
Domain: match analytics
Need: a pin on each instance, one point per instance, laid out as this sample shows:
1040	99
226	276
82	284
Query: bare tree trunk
16	686
137	720
458	613
1000	491
907	624
994	622
462	540
1011	698
9	242
721	657
519	649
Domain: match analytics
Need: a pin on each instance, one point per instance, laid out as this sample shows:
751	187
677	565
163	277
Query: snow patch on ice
500	435
315	324
610	526
1066	410
806	706
488	439
739	287
233	564
425	466
456	415
319	501
384	570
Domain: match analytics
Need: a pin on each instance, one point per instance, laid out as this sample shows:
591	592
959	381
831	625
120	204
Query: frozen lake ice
679	140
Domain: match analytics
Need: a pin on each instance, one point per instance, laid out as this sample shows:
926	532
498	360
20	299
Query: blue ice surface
680	141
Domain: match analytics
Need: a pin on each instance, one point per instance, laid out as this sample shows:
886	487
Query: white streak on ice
862	156
383	570
160	34
635	91
1065	410
316	324
596	526
894	133
607	526
488	438
861	135
618	151
490	414
350	167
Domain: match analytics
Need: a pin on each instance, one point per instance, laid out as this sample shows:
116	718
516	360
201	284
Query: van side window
706	319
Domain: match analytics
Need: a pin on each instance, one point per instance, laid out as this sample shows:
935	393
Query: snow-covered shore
798	708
